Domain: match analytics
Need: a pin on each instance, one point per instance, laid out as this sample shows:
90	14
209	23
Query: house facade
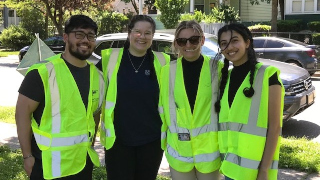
9	17
306	10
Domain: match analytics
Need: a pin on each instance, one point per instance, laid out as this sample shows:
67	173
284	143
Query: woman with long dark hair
250	107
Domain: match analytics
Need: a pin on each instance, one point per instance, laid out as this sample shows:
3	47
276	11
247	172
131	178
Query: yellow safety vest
111	59
190	139
66	130
243	128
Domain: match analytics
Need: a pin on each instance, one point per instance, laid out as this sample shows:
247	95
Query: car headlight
289	91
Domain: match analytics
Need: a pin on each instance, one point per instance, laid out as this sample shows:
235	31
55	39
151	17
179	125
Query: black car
55	43
289	51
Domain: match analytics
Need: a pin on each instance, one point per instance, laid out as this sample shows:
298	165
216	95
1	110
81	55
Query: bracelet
28	156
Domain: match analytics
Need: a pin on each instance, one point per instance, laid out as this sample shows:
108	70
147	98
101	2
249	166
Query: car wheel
21	56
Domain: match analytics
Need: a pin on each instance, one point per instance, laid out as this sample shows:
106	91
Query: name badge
184	136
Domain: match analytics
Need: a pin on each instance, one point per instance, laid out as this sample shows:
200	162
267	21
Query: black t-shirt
191	74
32	87
136	117
238	74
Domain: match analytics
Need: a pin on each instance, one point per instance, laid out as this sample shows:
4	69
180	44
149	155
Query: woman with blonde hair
189	89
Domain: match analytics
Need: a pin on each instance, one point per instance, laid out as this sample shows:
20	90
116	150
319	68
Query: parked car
55	43
299	91
289	51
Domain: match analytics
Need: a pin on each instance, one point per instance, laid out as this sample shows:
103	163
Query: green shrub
256	29
33	21
197	16
225	13
259	28
314	26
289	25
186	17
16	37
316	38
111	22
170	11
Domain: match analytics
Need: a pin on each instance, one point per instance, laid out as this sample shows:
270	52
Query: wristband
28	156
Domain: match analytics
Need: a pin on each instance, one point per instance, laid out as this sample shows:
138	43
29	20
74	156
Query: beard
78	54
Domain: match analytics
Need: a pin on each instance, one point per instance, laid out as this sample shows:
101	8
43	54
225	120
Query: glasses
193	40
81	35
147	34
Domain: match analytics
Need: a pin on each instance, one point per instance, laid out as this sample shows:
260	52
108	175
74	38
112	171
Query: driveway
10	80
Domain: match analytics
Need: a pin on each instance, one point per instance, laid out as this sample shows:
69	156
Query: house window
308	5
199	5
296	6
11	13
304	6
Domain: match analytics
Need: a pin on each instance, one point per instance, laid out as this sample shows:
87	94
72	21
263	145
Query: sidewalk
8	136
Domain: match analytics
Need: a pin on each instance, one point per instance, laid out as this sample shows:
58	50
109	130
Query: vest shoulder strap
110	60
161	58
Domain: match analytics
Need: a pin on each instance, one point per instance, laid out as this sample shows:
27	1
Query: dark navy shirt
136	117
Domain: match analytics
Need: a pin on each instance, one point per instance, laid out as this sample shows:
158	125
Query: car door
258	45
274	50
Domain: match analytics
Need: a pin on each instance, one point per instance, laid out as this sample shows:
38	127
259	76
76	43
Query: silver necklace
136	70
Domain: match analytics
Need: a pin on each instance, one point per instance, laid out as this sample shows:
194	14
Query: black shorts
133	162
84	174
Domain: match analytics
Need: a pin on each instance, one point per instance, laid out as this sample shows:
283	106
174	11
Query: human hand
262	175
28	165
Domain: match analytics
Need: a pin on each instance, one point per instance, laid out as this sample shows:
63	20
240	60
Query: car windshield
210	47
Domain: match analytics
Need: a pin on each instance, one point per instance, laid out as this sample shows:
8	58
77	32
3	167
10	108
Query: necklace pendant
136	71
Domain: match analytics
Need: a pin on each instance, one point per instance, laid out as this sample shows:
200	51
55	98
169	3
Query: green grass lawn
11	165
5	53
299	154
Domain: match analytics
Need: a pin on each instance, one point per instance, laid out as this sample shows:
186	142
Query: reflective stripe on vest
55	99
160	57
61	141
174	128
249	128
247	163
197	158
113	61
56	123
107	131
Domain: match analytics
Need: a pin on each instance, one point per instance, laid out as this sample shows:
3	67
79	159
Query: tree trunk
274	15
46	24
281	3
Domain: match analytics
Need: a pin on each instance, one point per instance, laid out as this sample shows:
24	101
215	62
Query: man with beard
58	108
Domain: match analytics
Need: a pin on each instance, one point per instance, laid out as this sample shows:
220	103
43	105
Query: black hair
246	35
80	21
133	21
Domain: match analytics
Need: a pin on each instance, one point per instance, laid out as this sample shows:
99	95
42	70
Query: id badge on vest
184	136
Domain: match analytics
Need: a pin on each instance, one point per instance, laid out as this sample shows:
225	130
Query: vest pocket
184	148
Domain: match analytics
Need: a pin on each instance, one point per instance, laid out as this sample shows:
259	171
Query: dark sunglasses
193	40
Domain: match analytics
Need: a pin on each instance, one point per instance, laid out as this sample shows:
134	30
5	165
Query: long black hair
133	21
246	35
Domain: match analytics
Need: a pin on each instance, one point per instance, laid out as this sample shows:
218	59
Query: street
305	124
